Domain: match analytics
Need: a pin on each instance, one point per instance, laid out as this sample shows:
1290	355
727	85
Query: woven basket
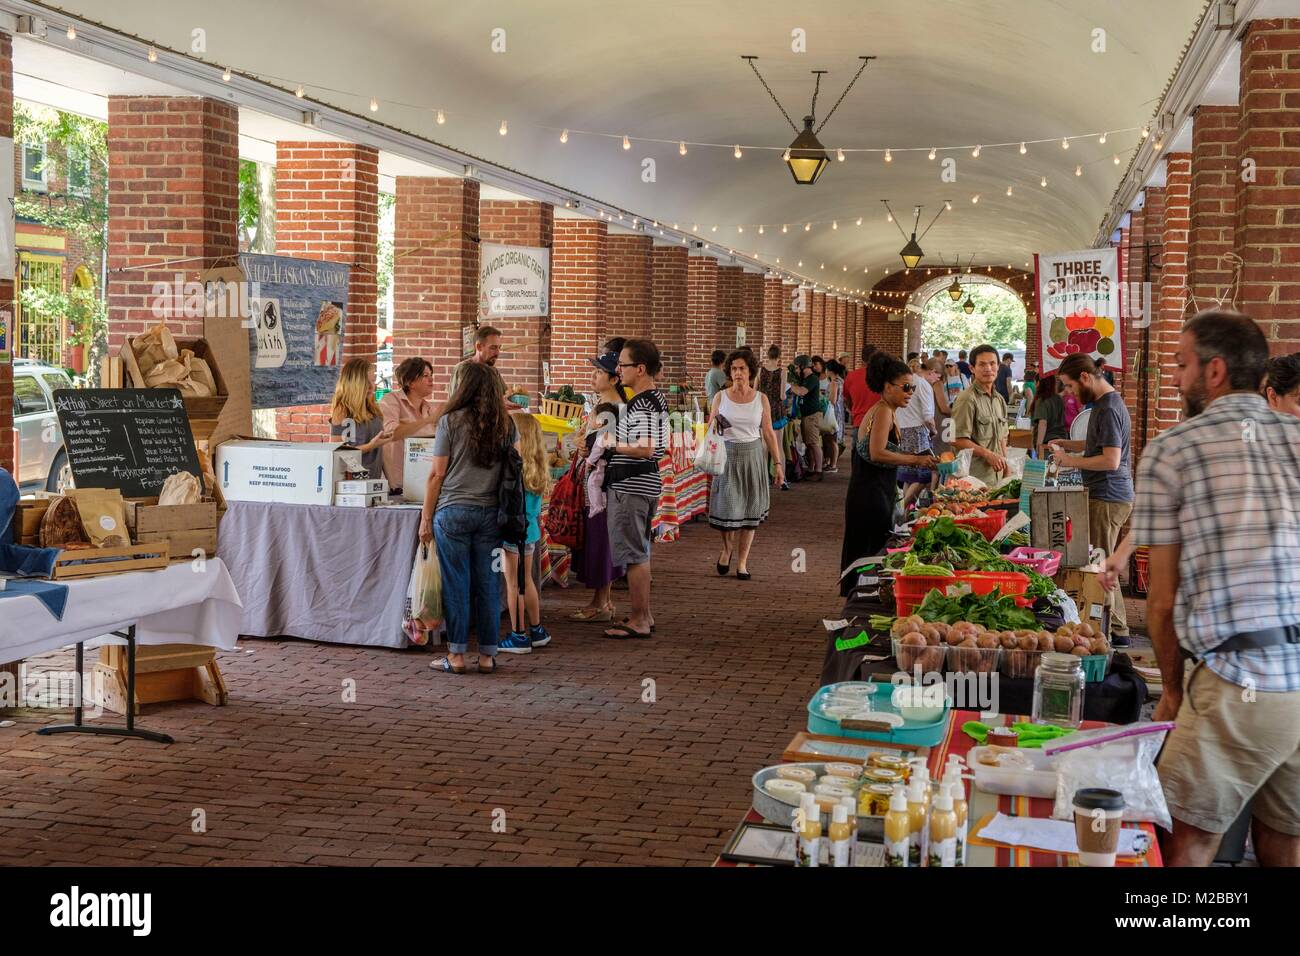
561	410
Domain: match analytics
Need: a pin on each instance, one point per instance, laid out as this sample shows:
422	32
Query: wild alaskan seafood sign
1079	307
297	313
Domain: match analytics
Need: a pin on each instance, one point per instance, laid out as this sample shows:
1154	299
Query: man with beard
979	419
487	346
1105	465
1218	505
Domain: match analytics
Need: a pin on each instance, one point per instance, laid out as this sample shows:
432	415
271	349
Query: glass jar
1058	690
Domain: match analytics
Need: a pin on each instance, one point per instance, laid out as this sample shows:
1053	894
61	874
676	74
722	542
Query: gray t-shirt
467	482
714	381
364	432
1110	427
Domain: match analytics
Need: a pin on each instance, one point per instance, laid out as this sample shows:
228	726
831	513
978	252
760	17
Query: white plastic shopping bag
423	612
711	453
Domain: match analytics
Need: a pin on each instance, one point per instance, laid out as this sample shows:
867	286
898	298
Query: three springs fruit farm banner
1079	307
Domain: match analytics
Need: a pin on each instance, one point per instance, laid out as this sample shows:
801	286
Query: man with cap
808	391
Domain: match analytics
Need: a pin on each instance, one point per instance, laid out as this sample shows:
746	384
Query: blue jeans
467	535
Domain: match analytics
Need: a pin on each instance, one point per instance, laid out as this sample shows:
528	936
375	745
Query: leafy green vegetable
994	610
914	566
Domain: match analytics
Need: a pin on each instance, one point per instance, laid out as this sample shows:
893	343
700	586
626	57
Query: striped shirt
1225	485
645	416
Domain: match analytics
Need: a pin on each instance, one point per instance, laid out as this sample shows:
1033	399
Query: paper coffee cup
1098	815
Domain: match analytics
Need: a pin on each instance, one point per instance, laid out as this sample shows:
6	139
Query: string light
153	55
783	228
975	198
564	135
785	157
300	92
714	229
835	224
737	151
440	119
1022	149
1008	190
72	32
975	153
807	227
1146	131
1065	143
1116	159
889	157
504	128
740	229
681	148
1043	182
932	152
947	205
760	230
839	155
859	220
1078	170
889	217
627	143
1102	140
1157	145
374	105
225	75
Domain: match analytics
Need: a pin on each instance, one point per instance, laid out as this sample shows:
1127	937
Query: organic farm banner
1079	307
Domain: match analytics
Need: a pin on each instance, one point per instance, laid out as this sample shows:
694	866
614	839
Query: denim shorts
514	548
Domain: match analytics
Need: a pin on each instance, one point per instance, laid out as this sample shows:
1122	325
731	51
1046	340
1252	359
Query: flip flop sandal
626	622
624	631
599	617
487	670
446	666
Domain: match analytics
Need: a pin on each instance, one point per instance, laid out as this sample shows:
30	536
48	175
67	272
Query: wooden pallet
95	562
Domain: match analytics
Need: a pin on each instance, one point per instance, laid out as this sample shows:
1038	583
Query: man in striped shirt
1218	505
632	479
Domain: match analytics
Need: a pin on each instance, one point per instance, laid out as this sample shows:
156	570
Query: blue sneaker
538	636
515	643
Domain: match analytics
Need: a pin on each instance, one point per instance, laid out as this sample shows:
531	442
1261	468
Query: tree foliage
999	319
85	216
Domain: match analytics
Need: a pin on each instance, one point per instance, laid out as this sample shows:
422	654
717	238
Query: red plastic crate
910	590
988	526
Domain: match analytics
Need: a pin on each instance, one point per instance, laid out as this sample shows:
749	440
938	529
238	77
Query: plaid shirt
1225	485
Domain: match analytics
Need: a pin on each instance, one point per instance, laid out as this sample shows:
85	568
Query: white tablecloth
179	604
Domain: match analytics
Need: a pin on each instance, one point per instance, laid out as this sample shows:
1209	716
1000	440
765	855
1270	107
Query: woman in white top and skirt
739	497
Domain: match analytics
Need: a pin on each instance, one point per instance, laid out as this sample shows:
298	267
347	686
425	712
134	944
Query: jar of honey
873	799
882	775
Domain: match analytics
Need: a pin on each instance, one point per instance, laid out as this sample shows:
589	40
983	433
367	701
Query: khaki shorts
811	427
1226	750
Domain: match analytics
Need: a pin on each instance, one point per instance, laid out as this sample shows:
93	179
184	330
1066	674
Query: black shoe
724	568
743	575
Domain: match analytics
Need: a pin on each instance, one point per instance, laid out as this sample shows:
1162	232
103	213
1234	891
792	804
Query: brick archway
888	314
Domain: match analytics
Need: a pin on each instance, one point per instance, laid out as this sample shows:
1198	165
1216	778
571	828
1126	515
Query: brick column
1174	305
1215	170
701	316
525	341
1268	209
579	265
628	309
751	312
817	325
327	208
729	305
173	194
1135	302
774	293
841	327
668	308
789	323
435	270
6	285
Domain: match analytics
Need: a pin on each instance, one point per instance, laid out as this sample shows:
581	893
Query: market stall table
184	603
982	804
685	491
320	572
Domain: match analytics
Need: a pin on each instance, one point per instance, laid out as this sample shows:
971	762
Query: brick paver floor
560	749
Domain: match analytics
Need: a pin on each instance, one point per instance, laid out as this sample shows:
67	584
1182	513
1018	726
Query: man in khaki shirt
979	419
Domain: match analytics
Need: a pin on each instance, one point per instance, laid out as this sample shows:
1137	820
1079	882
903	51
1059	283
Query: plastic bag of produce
423	613
711	453
1119	758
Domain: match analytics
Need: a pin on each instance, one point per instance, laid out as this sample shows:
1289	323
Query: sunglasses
907	389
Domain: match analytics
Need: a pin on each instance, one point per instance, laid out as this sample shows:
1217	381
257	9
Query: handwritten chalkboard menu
126	438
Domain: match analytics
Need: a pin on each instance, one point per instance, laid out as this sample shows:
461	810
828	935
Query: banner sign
1079	307
298	313
513	281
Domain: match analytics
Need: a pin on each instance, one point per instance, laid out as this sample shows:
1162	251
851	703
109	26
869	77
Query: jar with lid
1059	685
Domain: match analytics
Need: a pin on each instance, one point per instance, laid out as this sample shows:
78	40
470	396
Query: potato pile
925	644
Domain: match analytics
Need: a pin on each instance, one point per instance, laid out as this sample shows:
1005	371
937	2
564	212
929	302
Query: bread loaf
61	525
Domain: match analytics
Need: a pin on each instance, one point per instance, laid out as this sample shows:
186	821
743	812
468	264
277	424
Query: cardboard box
369	486
359	501
1059	522
415	470
301	473
1085	589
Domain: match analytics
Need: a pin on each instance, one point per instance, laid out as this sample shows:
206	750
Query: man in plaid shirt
1218	505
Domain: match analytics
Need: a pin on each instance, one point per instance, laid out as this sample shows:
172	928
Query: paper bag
103	516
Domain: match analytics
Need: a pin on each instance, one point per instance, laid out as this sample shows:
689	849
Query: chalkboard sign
131	439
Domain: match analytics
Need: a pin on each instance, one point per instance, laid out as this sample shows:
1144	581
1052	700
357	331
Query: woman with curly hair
460	502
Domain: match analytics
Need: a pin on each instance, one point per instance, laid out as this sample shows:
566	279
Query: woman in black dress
873	489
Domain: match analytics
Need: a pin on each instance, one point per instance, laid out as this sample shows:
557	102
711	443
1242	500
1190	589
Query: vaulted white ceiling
947	73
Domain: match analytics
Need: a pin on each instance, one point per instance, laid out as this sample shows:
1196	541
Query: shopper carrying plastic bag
423	614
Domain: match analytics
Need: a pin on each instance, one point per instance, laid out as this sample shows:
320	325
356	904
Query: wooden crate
27	520
185	527
163	672
96	562
202	412
564	410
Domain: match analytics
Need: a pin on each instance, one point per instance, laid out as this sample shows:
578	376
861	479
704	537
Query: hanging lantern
911	253
807	157
968	306
954	290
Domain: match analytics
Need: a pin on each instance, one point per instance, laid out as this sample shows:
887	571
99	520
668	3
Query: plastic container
1037	782
978	660
983	582
1058	690
1027	556
1019	665
910	656
928	734
910	590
